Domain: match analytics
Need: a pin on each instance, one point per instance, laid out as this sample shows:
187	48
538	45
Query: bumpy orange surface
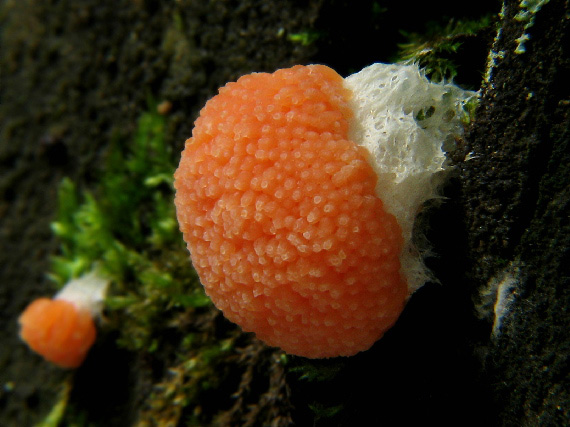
278	210
58	331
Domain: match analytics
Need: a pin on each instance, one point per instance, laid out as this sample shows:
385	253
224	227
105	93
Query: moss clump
318	378
436	50
127	229
201	370
305	38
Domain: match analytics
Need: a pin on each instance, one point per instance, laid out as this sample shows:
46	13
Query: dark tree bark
516	200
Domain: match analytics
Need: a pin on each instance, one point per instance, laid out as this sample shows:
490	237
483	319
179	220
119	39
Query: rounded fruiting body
282	216
62	330
58	330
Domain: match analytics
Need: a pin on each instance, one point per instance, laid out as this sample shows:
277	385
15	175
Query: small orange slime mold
279	211
58	330
62	329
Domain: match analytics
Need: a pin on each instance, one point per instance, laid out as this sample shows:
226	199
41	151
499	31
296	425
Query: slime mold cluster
297	193
62	329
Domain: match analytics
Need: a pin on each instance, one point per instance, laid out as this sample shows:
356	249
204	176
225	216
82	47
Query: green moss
317	370
377	10
325	412
469	110
436	49
127	229
304	38
321	374
180	394
54	417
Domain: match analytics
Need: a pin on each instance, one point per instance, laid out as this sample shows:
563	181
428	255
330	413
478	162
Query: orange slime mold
280	215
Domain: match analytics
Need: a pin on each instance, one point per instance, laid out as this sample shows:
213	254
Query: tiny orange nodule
58	330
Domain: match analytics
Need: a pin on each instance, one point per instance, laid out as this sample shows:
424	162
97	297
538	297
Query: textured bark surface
516	190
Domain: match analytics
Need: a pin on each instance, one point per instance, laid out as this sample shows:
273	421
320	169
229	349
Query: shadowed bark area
516	194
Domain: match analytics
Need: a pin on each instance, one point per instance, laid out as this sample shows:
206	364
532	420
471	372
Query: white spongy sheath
86	292
405	121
